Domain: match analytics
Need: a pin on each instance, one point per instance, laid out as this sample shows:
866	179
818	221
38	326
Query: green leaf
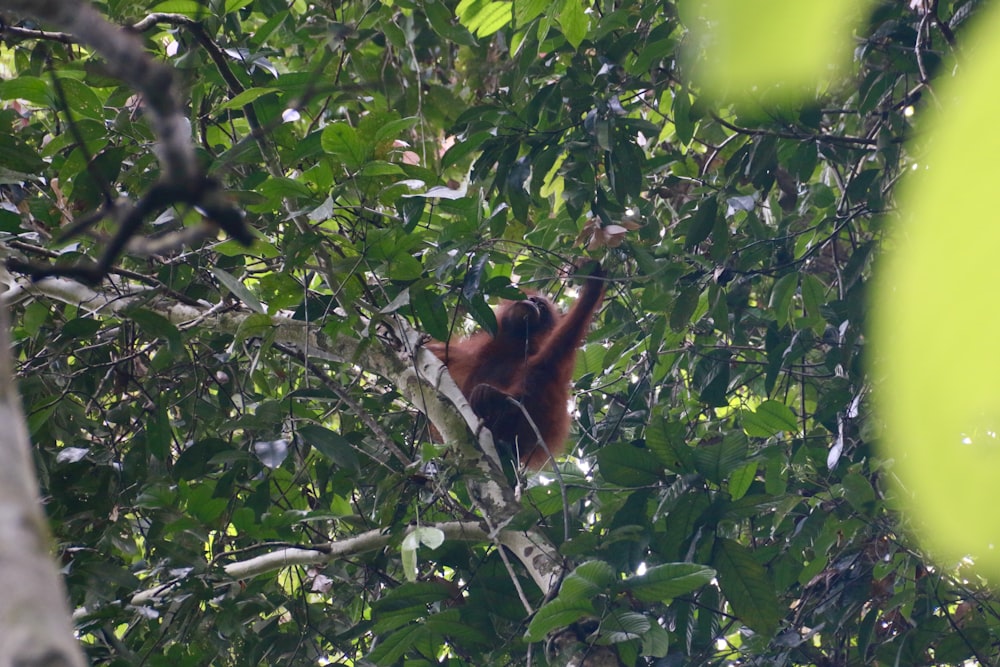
395	644
770	418
34	316
627	168
381	168
190	8
670	580
587	580
747	587
701	223
619	627
626	465
813	295
656	642
341	140
452	624
717	460
781	297
157	326
776	476
666	441
258	325
201	457
484	17
711	377
410	595
741	479
859	492
246	97
813	298
659	45
573	22
82	99
684	306
238	289
557	614
159	434
331	445
433	318
280	291
393	128
80	327
439	17
461	149
28	88
545	500
236	5
526	10
16	156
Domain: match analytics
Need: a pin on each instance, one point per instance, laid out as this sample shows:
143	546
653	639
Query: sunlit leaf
935	349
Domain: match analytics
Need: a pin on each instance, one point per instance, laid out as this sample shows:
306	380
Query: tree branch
182	179
34	617
419	375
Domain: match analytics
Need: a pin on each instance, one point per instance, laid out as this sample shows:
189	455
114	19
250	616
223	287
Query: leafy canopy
232	451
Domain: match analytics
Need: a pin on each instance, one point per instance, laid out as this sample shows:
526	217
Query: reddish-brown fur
530	359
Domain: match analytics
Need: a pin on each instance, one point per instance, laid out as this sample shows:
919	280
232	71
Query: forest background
230	226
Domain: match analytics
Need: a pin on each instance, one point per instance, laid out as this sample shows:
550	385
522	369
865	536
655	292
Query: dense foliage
722	502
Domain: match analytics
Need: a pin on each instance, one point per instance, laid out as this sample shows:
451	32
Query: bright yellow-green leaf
190	8
936	321
484	17
235	5
526	10
742	47
573	22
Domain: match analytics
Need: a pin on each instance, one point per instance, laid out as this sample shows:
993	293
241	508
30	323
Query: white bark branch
420	377
35	626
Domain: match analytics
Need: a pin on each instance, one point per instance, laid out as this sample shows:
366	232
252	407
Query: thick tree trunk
35	624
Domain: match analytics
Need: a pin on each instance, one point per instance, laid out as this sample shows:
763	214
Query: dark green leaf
238	289
557	614
627	465
747	587
717	460
157	326
159	435
331	445
702	222
433	317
